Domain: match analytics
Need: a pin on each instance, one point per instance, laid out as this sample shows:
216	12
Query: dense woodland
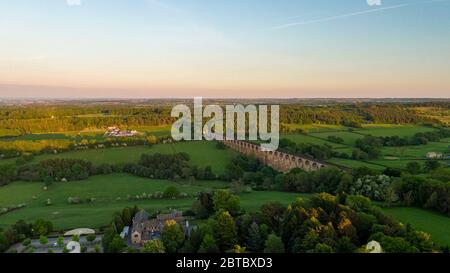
18	120
324	224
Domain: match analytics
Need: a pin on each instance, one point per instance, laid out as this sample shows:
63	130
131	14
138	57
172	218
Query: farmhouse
434	155
116	132
145	229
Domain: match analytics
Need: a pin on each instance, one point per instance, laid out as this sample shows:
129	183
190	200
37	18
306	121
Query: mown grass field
392	130
217	159
302	138
97	134
355	163
419	151
311	128
436	224
107	189
348	137
395	157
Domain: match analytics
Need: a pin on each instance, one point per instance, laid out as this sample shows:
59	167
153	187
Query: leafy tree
323	248
272	213
97	248
413	167
172	236
441	174
224	200
393	244
126	216
273	244
151	140
8	173
238	249
195	239
154	246
117	245
208	245
60	241
42	227
345	245
255	241
224	230
171	192
431	165
203	207
75	238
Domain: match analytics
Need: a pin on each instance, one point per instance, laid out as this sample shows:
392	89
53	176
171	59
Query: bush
26	242
43	240
171	192
90	237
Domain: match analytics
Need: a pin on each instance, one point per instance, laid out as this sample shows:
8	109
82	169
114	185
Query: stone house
145	229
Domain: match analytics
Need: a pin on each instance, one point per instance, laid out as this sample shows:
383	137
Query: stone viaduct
279	161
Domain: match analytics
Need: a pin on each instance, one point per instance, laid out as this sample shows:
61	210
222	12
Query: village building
114	131
434	155
145	229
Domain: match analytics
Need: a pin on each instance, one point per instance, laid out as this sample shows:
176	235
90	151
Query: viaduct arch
279	161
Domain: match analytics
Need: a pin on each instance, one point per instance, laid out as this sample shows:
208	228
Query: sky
224	48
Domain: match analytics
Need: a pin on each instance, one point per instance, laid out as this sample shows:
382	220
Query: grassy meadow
110	193
436	224
395	157
196	151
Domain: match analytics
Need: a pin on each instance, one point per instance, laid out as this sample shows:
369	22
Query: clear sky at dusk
224	48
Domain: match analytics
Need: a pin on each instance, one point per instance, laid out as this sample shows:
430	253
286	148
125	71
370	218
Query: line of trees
22	231
18	148
60	118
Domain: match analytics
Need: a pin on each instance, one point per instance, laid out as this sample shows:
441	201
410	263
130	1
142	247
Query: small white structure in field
374	247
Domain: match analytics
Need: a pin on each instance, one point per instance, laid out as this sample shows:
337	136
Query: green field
311	128
97	134
395	157
392	130
301	138
418	151
8	132
160	131
350	163
401	164
107	189
217	159
437	225
348	137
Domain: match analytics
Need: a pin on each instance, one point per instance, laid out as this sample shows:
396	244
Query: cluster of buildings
145	229
434	155
116	132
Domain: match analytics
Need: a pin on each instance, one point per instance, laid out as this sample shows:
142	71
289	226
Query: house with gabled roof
145	229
